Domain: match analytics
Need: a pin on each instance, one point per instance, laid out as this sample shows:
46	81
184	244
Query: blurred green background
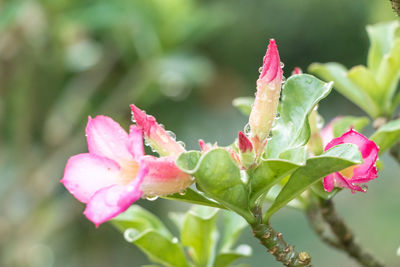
183	61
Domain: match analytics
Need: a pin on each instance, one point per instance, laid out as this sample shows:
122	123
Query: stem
320	227
276	245
345	236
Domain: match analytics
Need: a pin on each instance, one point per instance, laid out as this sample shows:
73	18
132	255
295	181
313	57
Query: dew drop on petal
260	69
282	65
174	240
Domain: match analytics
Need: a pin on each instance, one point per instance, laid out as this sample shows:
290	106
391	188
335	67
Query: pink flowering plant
283	157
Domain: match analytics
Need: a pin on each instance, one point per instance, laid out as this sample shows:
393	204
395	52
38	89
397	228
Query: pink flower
115	173
267	97
353	177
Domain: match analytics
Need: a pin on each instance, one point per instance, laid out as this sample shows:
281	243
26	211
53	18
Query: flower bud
296	71
246	151
267	97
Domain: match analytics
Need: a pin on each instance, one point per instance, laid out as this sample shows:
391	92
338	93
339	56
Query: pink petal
106	138
369	152
156	135
163	177
85	174
113	200
329	182
135	142
297	71
271	63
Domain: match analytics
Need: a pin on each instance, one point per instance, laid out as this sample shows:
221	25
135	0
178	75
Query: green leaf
300	94
227	258
244	104
388	75
381	37
200	234
343	124
387	135
233	227
141	220
333	160
194	197
219	177
365	79
157	247
267	174
338	74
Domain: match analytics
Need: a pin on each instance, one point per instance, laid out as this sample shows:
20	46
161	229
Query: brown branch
277	246
346	237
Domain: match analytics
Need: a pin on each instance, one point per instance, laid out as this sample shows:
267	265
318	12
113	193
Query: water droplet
174	240
283	79
398	251
171	134
182	144
282	65
364	187
278	115
269	135
152	198
247	129
260	69
130	234
182	193
243	176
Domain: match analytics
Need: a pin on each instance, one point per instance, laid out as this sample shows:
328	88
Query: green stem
276	245
345	236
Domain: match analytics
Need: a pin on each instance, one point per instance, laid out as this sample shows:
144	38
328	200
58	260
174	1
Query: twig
276	245
320	227
346	237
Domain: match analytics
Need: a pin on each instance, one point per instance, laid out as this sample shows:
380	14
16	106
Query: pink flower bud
296	71
155	135
245	144
267	97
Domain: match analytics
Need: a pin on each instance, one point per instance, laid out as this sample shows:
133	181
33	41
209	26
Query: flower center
348	172
129	171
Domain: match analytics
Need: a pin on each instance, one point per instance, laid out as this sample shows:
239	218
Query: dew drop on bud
282	65
182	144
260	69
247	129
152	198
364	187
283	79
171	134
182	193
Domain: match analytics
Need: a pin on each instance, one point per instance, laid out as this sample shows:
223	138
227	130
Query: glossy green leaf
388	75
194	197
381	37
199	233
157	247
343	124
267	174
387	135
139	219
233	227
333	160
227	258
220	179
338	74
300	94
244	104
365	79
